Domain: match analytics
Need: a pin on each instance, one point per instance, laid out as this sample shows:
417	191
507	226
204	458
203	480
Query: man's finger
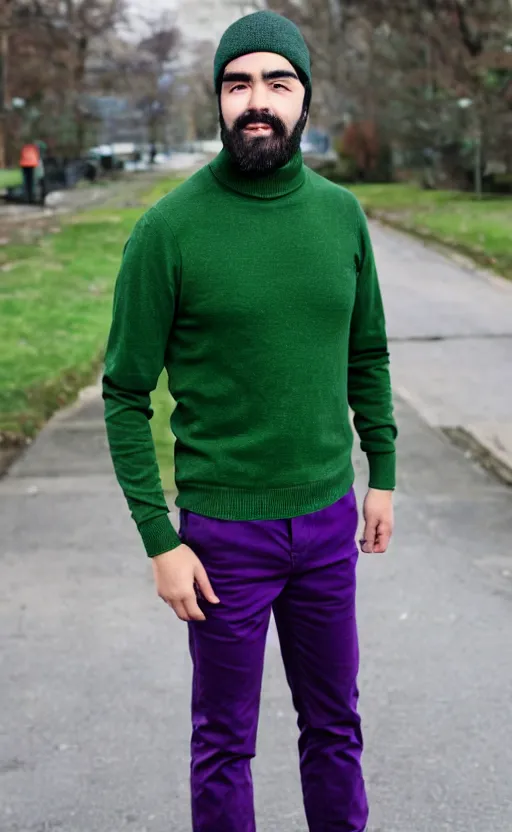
369	537
204	585
383	538
192	609
179	609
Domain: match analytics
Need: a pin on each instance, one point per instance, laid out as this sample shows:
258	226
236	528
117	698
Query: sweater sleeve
369	385
143	311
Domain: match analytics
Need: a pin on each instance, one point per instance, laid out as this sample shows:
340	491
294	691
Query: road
95	673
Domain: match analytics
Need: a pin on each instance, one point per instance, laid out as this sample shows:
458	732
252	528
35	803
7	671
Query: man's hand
378	516
178	574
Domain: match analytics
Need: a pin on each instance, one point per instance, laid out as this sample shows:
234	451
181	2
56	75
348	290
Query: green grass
8	178
479	228
159	190
55	312
163	406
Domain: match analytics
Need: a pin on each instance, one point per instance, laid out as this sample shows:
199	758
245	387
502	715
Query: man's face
262	111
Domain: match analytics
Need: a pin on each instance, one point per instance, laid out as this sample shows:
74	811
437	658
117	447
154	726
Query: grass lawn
55	312
478	228
8	178
163	404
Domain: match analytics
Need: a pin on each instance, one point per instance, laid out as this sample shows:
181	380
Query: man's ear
307	99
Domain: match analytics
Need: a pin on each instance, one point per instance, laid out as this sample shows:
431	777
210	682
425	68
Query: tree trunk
4	58
81	48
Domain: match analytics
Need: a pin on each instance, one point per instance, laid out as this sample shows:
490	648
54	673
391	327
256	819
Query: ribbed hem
382	471
264	504
159	535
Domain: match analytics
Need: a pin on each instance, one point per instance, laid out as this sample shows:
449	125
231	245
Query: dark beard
262	154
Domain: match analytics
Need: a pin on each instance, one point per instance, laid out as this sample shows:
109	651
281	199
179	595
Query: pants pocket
182	532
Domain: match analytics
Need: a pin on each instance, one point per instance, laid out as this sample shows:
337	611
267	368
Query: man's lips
258	128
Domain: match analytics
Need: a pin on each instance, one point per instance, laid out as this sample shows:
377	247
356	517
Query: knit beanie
263	32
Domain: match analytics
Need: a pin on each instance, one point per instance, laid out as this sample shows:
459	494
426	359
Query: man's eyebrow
239	77
246	78
279	73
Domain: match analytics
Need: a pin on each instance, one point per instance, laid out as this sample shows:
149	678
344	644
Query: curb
486	452
460	256
483	446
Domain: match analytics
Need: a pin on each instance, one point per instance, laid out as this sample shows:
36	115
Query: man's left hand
378	516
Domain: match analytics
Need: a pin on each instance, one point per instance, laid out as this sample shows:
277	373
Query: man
254	284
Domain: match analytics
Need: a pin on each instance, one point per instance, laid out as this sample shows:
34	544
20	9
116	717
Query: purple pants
304	570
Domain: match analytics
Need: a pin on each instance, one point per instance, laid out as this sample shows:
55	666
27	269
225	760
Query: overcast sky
198	19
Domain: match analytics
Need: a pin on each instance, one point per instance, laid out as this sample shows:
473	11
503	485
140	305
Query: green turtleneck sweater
260	298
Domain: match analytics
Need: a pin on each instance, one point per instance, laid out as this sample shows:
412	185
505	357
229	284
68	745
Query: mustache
260	117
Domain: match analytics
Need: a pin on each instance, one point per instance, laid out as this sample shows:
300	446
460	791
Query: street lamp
465	104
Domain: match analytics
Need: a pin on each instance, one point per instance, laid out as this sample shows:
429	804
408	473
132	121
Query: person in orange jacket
30	160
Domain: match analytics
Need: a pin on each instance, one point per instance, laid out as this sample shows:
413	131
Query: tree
201	99
406	64
52	41
161	45
360	143
5	27
143	74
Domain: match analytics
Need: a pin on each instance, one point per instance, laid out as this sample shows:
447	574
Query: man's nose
259	97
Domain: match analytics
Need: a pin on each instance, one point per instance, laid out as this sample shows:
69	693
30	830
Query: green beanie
263	32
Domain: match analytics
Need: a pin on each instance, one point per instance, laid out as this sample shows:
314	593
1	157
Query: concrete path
450	328
23	221
95	673
94	698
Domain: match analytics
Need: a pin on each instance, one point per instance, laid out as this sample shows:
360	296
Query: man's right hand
177	575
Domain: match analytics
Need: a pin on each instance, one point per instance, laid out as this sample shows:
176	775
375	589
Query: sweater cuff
382	471
159	536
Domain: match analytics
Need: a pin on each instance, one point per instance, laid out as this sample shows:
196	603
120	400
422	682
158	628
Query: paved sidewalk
94	724
450	328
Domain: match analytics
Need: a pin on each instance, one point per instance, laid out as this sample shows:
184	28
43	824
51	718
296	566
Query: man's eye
278	86
238	87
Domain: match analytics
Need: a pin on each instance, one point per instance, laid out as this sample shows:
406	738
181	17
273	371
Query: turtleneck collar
280	182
